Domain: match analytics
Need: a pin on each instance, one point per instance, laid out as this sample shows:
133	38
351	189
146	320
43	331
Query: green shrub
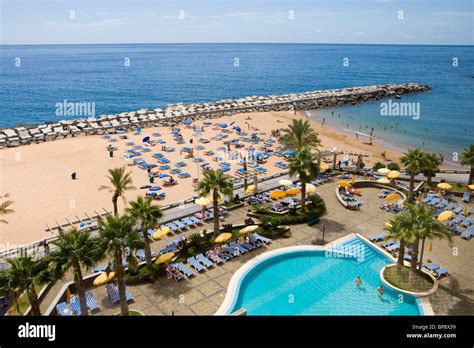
286	234
262	208
393	166
378	165
196	239
276	221
144	275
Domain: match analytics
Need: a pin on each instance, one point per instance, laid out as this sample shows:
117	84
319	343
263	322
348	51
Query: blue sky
314	21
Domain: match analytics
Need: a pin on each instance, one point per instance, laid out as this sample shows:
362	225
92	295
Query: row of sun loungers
211	258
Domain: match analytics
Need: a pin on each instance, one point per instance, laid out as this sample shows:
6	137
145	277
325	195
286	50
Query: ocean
118	78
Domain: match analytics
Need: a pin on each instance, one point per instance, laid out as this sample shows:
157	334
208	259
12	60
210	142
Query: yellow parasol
250	189
310	188
68	295
392	197
383	171
285	182
202	201
278	194
323	166
444	186
164	258
344	183
219	198
393	174
248	229
388	224
293	191
445	215
223	237
471	187
161	232
430	246
103	278
383	181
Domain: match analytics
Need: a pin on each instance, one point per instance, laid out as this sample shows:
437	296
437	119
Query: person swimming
380	291
358	281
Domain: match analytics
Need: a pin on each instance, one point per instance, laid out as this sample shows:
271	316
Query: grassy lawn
23	302
422	282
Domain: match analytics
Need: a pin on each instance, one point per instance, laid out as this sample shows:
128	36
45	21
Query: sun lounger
195	264
205	261
466	223
180	225
184	269
231	251
440	272
467	235
99	269
184	175
63	309
196	220
431	266
91	302
377	237
466	197
113	293
239	247
393	248
451	206
459	209
247	246
260	238
75	305
387	243
215	258
458	219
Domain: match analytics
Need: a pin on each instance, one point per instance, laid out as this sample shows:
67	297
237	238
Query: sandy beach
37	177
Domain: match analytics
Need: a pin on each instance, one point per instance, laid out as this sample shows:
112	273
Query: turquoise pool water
310	283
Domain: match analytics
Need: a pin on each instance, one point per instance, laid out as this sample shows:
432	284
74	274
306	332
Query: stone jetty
174	113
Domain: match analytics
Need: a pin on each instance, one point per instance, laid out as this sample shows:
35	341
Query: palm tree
300	134
5	209
414	162
304	165
429	228
142	211
26	272
215	183
467	159
78	250
397	232
116	238
431	166
120	182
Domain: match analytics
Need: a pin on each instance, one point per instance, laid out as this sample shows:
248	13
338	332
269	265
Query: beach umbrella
238	129
161	232
250	189
388	224
393	174
289	153
145	187
103	278
323	166
188	121
278	194
223	237
383	171
223	125
146	139
444	186
202	201
155	188
164	175
471	187
293	191
285	182
164	258
344	183
383	181
392	197
248	229
430	246
310	188
445	215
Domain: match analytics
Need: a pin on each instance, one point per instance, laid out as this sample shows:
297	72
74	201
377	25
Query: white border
233	288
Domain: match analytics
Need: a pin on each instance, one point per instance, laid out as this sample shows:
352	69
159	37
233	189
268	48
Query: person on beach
46	247
358	281
324	121
357	135
73	175
383	154
151	178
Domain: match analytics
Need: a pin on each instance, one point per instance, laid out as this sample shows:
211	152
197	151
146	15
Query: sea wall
173	113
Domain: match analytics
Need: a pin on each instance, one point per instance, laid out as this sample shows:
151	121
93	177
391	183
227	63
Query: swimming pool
313	282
